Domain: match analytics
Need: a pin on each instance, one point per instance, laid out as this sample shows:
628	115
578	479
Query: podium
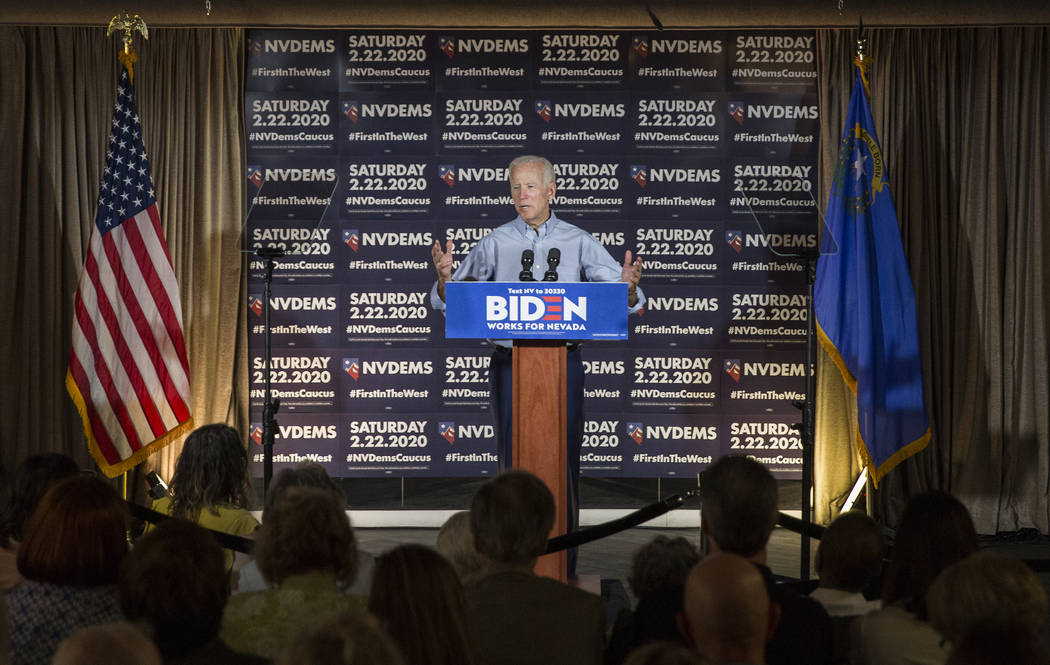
540	318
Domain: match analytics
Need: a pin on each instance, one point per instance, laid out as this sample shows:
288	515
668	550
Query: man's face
532	197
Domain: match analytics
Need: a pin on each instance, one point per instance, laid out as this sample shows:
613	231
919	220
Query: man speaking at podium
537	246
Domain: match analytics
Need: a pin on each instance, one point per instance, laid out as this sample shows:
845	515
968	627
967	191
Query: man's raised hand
442	260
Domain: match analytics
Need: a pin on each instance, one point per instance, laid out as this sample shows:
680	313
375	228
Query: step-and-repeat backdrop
696	150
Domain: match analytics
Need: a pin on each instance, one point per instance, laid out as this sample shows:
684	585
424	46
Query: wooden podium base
539	430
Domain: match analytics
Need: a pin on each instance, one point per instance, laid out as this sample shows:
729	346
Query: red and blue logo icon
352	367
255	304
352	111
255	175
735	239
447	173
640	174
634	432
544	110
732	368
447	430
352	239
736	111
640	44
447	45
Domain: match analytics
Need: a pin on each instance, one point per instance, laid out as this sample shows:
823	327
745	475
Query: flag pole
127	24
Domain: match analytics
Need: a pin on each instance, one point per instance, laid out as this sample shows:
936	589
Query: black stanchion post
270	405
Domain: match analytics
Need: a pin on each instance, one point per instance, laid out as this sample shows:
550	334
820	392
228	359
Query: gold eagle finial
128	24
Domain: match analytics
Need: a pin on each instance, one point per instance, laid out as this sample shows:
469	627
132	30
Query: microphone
527	257
553	259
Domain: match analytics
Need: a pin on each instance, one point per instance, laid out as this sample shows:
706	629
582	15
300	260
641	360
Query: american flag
128	374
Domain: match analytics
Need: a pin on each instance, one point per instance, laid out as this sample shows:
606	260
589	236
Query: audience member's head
664	653
662	562
419	599
33	478
106	644
999	644
306	530
77	535
935	531
212	471
738	505
174	581
456	543
849	556
985	588
511	517
353	638
308	474
727	614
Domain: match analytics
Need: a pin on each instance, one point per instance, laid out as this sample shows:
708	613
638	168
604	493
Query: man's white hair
548	168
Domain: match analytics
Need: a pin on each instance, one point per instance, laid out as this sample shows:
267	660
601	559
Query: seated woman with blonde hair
307	553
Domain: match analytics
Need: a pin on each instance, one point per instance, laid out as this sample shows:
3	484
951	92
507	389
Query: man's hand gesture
631	274
442	264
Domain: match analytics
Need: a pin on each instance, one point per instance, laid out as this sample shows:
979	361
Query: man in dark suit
738	511
516	617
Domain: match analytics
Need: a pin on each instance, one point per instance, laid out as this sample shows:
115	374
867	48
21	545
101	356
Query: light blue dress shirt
497	257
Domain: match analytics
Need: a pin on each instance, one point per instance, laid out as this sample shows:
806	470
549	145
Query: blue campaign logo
640	174
543	109
732	368
736	111
352	367
735	239
635	432
447	45
447	430
447	173
640	44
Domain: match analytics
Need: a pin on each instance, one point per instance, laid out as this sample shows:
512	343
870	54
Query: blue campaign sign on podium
536	310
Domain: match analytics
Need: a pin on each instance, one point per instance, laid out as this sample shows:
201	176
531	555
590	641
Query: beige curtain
58	88
962	116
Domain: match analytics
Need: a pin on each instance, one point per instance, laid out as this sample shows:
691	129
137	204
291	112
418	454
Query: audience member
727	615
665	653
352	638
849	559
984	589
418	597
69	558
210	485
33	478
307	552
935	531
657	578
174	583
738	513
456	543
107	644
307	474
999	644
517	617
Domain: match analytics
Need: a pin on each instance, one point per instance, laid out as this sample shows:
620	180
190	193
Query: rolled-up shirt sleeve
600	266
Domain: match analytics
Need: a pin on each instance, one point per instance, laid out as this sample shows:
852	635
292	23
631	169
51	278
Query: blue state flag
864	301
